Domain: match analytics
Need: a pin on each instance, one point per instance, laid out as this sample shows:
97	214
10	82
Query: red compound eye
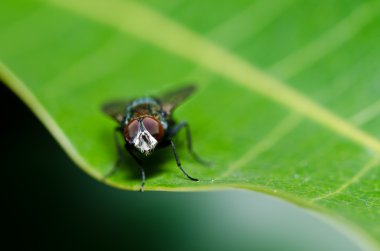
151	125
131	130
154	127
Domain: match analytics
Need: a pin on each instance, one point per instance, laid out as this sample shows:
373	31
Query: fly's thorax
143	107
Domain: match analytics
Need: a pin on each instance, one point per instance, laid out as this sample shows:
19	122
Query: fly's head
144	133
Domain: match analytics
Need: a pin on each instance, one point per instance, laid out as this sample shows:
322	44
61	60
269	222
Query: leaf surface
288	101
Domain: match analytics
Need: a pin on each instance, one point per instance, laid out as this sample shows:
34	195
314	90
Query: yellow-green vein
364	170
267	142
87	69
366	114
246	19
332	39
358	119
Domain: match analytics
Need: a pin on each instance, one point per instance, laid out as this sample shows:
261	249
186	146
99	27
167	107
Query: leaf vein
284	127
366	114
340	33
244	19
372	163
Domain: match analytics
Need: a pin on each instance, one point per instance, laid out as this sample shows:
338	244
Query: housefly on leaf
147	123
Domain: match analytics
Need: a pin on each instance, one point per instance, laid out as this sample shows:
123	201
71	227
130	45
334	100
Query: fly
147	123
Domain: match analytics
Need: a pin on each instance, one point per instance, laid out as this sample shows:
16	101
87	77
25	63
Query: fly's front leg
120	156
129	149
179	163
189	144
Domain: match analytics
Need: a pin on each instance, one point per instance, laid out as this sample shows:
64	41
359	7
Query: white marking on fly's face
144	141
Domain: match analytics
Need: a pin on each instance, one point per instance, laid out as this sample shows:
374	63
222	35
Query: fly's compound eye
151	125
154	127
131	130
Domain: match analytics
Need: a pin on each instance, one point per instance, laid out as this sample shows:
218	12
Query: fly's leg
128	147
120	156
179	163
189	144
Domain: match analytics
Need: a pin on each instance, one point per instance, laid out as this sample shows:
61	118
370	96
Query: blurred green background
53	205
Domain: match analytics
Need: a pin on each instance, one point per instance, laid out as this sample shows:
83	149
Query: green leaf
287	101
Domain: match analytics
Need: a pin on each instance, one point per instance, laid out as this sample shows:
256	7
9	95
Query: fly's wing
115	109
174	98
